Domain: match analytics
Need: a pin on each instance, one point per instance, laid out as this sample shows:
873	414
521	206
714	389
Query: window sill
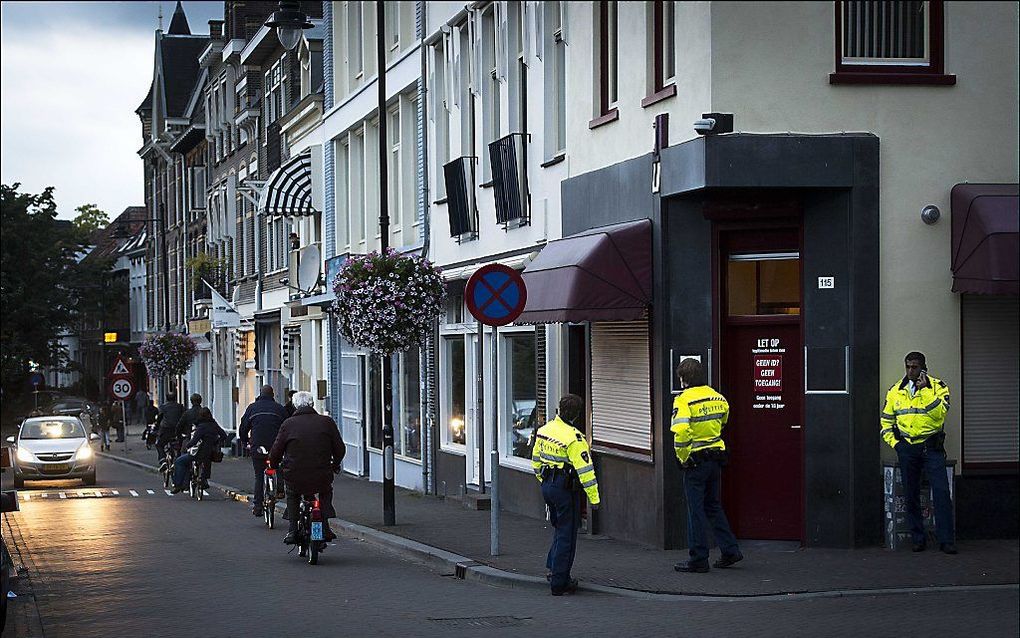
487	184
554	161
924	79
664	93
453	448
611	116
441	200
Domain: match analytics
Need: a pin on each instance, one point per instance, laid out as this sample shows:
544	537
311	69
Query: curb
469	569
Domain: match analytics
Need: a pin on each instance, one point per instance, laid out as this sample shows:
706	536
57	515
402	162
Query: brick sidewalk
768	568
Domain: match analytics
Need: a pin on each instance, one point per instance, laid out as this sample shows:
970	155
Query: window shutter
502	39
540	381
475	26
621	387
538	28
990	372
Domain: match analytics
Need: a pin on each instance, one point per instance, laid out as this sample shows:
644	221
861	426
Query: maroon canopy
603	274
986	239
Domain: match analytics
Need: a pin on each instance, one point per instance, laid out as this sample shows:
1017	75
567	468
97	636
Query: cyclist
167	421
207	436
309	451
259	426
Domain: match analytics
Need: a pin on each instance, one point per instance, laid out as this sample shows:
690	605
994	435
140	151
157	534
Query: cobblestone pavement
170	566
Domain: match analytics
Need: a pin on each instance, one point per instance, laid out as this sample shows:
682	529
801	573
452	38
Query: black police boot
569	589
690	567
728	560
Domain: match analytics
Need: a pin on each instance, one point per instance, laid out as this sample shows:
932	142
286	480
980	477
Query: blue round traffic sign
495	295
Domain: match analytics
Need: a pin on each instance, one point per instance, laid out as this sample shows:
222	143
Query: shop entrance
761	374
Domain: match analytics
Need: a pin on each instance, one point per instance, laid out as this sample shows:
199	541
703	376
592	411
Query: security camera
714	123
704	126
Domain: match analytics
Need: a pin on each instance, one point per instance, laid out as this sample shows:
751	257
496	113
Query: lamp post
289	21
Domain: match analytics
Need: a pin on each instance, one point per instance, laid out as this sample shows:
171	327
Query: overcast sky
73	74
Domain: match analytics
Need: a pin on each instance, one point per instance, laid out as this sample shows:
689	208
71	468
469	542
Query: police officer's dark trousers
701	485
565	515
914	458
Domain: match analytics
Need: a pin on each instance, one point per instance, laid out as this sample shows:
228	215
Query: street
121	565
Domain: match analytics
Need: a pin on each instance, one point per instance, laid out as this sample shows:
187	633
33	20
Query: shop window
373	403
519	409
889	43
763	284
455	391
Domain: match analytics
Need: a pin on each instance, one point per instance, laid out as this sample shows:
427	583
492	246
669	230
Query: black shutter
509	179
460	191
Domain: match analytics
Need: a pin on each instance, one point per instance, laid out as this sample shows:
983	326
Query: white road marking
115	492
99	494
206	492
133	493
150	491
168	492
44	495
62	495
25	496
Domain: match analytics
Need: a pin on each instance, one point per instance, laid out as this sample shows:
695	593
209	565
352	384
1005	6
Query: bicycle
195	482
270	494
310	529
166	467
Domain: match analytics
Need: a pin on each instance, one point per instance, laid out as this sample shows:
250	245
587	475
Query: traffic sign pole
494	505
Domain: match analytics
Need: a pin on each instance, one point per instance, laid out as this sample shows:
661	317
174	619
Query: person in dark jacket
207	436
190	417
309	451
167	422
289	405
259	426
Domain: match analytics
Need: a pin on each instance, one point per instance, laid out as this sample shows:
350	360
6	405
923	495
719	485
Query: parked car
73	406
53	447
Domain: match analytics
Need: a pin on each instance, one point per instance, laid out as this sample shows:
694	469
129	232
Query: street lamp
289	21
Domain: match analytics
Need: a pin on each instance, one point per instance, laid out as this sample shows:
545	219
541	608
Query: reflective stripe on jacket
699	414
559	444
916	417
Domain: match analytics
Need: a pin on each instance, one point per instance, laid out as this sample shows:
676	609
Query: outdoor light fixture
714	123
930	214
289	21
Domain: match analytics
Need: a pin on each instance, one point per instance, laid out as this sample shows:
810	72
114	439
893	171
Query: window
374	401
343	190
454	391
555	80
607	80
662	52
357	198
621	418
274	81
355	44
407	400
889	43
519	417
439	112
394	174
763	284
490	89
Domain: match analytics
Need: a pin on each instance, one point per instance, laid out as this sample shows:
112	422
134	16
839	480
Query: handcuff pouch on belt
712	454
571	483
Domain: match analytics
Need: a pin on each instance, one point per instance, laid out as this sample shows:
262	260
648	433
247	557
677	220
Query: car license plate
317	531
56	467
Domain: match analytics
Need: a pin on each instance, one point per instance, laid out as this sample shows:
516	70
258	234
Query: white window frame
505	362
399	423
446	442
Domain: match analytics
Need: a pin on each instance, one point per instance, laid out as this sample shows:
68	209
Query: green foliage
204	266
46	288
90	218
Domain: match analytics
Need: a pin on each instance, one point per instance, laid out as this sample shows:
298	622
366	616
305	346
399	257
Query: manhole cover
482	621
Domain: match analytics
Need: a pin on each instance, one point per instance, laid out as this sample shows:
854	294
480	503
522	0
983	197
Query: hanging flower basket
387	302
168	354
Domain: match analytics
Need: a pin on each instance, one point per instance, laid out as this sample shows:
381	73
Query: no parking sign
496	295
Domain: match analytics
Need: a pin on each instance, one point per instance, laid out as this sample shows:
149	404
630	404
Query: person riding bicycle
207	436
259	426
190	417
309	451
167	421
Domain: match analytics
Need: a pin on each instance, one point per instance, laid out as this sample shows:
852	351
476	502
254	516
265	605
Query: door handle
794	427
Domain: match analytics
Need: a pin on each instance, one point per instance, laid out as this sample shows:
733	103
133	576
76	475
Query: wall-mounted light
930	214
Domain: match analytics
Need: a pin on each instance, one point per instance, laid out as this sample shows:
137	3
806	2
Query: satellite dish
308	267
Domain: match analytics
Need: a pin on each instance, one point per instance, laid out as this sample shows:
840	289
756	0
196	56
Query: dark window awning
986	239
603	274
288	191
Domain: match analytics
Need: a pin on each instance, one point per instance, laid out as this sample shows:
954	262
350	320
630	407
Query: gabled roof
179	57
105	244
179	22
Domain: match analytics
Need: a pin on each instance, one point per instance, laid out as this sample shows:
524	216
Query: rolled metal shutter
990	379
621	387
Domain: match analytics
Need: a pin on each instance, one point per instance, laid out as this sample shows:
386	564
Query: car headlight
25	456
84	453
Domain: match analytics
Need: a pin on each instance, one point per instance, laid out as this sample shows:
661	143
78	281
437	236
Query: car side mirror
10	439
93	436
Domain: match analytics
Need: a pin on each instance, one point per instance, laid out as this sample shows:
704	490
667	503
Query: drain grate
482	621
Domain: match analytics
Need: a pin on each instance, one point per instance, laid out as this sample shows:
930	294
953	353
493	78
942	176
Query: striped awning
288	191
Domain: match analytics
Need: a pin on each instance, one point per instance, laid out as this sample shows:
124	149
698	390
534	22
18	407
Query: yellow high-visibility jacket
917	417
559	444
699	414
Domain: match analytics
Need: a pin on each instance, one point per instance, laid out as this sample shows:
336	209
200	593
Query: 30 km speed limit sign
122	389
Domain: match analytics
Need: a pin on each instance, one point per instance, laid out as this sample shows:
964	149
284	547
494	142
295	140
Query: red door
762	377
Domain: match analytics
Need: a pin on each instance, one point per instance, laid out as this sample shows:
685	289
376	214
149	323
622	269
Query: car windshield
68	405
52	430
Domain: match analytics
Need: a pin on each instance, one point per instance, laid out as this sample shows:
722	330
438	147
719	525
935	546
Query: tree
48	285
90	219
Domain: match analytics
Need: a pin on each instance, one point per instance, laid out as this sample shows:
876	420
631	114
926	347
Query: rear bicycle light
270	472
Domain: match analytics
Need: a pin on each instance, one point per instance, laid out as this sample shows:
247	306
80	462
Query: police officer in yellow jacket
912	424
563	465
699	413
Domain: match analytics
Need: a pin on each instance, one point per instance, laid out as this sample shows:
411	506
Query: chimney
216	29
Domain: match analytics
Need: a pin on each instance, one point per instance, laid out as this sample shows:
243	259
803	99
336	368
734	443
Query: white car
53	448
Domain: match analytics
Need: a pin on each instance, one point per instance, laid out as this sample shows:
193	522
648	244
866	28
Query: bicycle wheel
313	552
166	477
270	513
